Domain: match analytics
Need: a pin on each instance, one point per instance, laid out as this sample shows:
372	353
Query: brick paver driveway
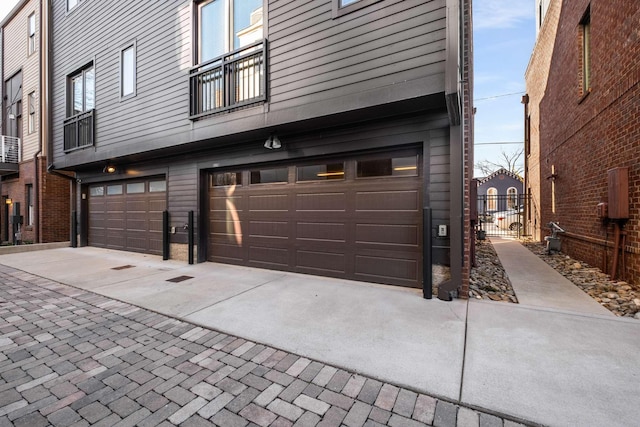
71	357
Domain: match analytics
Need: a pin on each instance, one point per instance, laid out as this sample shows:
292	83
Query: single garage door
127	215
357	219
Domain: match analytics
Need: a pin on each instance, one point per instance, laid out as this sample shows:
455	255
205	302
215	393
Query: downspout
36	197
36	166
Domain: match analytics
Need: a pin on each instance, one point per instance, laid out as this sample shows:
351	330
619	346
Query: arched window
492	199
512	197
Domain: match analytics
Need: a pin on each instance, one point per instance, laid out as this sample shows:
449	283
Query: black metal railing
232	80
79	131
10	151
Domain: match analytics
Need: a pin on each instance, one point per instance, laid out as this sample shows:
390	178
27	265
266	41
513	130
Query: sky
504	34
5	7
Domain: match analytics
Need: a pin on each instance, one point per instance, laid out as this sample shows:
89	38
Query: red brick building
582	119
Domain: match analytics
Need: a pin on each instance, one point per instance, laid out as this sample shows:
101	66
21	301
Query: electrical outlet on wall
442	230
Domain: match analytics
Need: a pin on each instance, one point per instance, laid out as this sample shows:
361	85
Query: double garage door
127	215
358	219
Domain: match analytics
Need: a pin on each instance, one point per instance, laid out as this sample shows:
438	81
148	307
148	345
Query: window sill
338	11
584	96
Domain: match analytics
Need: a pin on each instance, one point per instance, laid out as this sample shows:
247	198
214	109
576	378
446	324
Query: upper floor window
227	25
79	125
72	3
342	7
82	88
32	113
585	40
32	33
128	71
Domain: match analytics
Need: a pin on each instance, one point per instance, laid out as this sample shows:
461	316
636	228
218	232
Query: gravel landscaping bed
619	297
488	279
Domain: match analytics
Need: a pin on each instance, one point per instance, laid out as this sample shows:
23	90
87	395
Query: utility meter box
601	210
618	180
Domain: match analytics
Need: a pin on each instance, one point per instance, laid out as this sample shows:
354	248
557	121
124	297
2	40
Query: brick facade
54	208
579	135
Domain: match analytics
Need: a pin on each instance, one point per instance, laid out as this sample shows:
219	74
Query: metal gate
503	215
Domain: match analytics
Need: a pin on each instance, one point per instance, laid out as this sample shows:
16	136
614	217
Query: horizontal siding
16	58
163	53
315	57
182	185
385	52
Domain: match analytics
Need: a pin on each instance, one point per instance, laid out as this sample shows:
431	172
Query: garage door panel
128	221
269	203
381	234
321	262
321	231
269	256
388	201
321	202
230	253
220	203
386	268
138	244
136	225
355	228
274	229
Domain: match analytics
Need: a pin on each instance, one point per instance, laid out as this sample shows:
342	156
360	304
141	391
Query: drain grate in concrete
123	267
179	279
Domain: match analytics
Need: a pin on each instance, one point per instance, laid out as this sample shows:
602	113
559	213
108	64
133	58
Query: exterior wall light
109	169
8	201
273	143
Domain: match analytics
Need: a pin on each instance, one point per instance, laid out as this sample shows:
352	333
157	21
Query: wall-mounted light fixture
273	143
8	201
109	169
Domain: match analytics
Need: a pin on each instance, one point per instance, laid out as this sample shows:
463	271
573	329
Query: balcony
234	80
11	154
78	131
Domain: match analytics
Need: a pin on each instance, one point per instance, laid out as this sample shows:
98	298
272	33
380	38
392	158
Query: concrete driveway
550	366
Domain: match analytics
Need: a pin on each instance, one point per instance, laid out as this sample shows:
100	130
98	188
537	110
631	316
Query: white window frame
340	9
134	71
31	32
31	117
81	72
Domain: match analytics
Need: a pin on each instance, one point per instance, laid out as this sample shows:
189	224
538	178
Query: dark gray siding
315	57
439	190
389	52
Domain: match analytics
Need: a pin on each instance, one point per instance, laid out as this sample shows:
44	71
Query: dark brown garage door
358	219
127	215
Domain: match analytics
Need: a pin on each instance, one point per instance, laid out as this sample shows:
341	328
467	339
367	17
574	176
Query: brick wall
54	211
582	135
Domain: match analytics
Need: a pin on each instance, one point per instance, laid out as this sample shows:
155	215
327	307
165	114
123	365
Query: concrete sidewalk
552	366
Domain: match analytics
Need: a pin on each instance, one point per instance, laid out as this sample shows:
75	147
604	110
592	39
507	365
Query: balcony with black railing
79	131
236	79
10	154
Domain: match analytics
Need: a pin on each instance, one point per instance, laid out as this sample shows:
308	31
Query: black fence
503	215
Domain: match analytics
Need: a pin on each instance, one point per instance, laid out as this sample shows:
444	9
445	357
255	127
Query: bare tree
508	161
